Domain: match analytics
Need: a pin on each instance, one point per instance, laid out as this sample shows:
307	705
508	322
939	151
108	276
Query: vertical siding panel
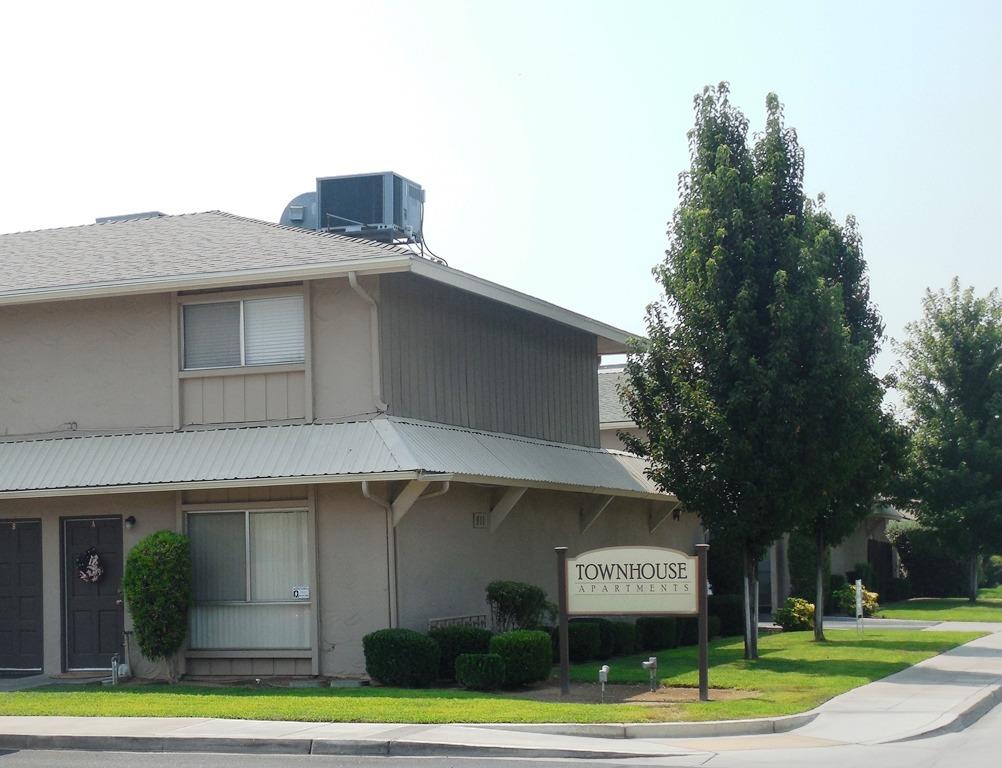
233	398
191	401
277	396
297	395
212	400
255	398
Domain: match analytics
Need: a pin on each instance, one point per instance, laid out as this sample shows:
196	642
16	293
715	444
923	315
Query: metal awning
378	449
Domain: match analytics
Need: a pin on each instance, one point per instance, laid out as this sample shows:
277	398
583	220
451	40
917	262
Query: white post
859	605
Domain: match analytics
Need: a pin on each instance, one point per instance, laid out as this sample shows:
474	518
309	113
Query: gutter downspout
377	388
391	546
391	554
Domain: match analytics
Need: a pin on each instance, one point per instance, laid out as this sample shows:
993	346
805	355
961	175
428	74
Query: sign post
704	625
626	581
563	637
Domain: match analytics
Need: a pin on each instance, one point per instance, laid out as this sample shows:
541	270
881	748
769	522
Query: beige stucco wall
153	512
102	363
352	575
854	550
342	349
609	438
444	563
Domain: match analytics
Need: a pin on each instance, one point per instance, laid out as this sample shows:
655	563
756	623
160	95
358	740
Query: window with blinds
246	568
229	334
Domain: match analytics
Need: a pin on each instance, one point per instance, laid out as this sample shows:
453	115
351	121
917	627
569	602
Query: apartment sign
632	580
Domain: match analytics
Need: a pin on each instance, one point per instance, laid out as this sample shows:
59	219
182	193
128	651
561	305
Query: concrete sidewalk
145	734
943	693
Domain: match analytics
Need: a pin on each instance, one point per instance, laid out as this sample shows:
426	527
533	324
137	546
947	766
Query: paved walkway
939	694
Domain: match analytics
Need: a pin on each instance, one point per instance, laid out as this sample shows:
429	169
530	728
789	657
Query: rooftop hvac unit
376	206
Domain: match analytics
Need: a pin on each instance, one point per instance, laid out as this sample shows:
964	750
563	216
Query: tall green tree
848	440
952	385
718	385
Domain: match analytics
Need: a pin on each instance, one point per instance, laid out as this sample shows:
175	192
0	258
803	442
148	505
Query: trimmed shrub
527	656
584	640
731	612
401	657
795	616
655	633
157	587
516	605
835	583
479	671
624	637
991	572
845	600
929	563
606	636
455	641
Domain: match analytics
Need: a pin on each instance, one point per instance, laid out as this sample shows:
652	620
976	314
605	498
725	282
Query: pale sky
548	135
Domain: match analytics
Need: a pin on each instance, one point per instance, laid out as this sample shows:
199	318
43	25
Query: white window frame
241	297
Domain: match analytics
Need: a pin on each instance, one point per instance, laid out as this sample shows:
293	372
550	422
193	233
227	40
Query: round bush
526	654
455	641
480	671
584	640
797	615
655	633
157	587
624	638
401	657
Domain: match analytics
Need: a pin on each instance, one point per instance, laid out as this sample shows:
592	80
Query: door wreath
89	567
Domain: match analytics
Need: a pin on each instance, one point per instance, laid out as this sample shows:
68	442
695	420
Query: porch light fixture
130	521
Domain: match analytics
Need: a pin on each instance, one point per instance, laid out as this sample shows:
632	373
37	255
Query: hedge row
409	659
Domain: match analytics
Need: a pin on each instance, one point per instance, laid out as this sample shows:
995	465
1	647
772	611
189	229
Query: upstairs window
228	334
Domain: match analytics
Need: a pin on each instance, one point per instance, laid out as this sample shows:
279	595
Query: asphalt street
975	747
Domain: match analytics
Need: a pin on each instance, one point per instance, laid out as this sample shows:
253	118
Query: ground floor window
247	568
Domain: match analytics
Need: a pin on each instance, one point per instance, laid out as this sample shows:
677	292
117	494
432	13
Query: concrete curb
961	720
360	747
751	727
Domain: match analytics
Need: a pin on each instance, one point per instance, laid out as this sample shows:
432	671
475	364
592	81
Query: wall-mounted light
130	521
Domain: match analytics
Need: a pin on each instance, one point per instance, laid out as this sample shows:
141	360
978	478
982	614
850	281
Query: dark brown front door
20	597
93	608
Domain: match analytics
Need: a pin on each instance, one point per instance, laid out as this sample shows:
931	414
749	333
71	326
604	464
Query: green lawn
793	674
987	608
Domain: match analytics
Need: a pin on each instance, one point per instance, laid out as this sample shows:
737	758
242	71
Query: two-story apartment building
352	436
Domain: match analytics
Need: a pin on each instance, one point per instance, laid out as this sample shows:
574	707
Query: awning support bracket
505	505
407	498
588	516
658	513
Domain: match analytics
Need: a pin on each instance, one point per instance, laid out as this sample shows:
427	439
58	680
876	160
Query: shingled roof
161	247
610	407
214	250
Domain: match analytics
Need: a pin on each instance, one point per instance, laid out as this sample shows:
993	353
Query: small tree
157	587
720	385
952	383
848	446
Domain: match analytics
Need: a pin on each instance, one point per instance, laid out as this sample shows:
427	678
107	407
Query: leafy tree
719	383
157	587
952	385
847	441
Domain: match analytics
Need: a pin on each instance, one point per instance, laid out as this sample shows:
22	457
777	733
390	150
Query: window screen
273	330
219	556
212	335
224	615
